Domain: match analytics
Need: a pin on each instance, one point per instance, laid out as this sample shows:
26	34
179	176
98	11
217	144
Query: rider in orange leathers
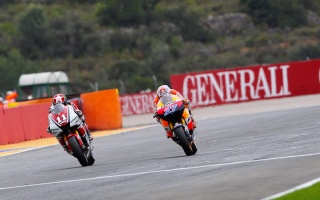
164	90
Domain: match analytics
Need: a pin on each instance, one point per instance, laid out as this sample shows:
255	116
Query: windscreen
57	108
166	99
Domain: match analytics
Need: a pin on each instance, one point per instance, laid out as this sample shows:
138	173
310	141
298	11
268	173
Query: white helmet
163	89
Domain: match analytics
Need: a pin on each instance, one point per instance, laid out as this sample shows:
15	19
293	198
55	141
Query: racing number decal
171	108
64	118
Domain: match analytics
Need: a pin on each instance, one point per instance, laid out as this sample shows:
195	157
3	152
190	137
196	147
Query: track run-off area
246	151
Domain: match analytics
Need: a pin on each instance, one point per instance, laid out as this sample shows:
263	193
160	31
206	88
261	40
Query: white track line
159	171
305	185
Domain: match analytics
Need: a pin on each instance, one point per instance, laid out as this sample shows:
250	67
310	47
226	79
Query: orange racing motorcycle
172	112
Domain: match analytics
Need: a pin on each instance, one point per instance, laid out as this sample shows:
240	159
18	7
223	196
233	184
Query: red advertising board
137	103
249	83
4	138
35	121
14	126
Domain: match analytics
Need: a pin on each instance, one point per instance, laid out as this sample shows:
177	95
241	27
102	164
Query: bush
121	40
11	66
131	76
189	25
121	12
71	36
7	32
275	13
305	51
33	28
5	2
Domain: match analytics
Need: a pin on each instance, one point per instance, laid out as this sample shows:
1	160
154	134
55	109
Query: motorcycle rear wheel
77	151
183	141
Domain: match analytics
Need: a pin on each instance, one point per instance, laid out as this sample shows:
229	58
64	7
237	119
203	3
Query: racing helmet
163	89
59	98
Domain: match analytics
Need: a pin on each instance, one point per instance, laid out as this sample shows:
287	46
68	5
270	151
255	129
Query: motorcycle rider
164	93
166	89
82	129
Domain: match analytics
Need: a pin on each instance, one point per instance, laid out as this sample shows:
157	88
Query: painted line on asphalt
10	149
160	171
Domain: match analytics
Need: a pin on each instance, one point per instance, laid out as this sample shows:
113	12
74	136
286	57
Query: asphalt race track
246	152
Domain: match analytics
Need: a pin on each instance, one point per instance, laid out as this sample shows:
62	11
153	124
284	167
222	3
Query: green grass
310	193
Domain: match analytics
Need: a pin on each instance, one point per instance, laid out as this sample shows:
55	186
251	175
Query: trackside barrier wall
137	103
29	120
35	121
4	133
45	100
23	123
14	126
102	109
35	101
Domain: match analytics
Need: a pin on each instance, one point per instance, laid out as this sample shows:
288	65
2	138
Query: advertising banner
137	103
249	83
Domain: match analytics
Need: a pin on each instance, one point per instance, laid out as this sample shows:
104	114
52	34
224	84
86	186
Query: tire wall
102	109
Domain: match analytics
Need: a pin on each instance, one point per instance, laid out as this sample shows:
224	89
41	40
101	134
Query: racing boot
90	136
88	132
169	134
83	133
85	126
191	130
192	119
192	134
194	123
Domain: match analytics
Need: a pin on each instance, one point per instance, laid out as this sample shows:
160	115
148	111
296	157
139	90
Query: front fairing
61	118
171	111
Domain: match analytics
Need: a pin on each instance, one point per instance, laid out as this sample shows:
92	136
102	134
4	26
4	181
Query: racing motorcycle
172	112
64	121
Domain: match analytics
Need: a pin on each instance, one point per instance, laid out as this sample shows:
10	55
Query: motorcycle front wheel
90	157
194	148
77	151
183	141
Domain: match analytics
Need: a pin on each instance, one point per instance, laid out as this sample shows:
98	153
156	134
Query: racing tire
90	158
77	151
194	148
183	141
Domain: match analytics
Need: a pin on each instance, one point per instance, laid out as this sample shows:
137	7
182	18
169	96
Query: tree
11	67
121	12
188	23
34	34
275	13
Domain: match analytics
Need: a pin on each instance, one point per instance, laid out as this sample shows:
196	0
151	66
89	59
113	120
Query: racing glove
186	101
